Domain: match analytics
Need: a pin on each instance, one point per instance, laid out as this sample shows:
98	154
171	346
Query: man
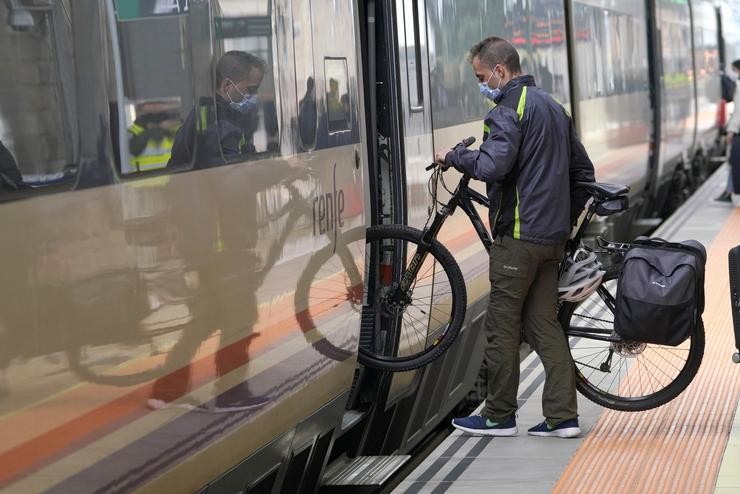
733	128
226	130
529	157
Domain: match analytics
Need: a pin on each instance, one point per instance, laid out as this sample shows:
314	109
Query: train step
363	474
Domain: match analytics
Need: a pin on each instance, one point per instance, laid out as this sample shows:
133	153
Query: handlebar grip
464	143
467	141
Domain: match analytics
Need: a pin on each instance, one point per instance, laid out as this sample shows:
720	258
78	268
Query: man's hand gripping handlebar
439	158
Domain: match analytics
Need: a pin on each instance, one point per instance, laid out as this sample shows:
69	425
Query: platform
691	444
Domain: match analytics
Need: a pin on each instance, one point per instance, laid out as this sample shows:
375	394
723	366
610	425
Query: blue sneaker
481	426
565	429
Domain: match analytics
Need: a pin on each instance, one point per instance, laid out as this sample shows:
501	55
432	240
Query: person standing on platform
733	132
529	156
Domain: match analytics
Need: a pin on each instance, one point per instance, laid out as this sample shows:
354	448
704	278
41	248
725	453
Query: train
193	325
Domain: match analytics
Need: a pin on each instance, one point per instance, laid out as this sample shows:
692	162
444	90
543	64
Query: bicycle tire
337	262
85	372
457	305
622	400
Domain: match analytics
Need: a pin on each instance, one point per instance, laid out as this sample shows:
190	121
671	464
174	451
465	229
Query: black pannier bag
660	292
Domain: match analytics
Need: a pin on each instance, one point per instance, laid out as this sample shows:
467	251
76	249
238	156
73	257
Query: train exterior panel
157	321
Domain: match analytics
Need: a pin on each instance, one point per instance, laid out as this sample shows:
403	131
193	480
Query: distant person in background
733	129
229	136
307	115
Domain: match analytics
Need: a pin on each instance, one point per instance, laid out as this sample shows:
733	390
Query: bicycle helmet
581	276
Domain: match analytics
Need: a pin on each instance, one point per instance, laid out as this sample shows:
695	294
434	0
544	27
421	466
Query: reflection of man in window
229	136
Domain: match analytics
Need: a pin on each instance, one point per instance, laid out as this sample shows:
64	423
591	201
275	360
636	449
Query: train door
414	115
415	110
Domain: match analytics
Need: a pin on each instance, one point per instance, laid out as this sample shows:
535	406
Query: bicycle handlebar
462	144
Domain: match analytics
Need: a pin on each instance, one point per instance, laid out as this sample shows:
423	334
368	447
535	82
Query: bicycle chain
589	366
593	318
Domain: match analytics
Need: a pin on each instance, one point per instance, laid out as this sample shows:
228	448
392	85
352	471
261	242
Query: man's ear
223	87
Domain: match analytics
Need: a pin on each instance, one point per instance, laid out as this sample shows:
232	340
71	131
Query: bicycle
602	359
90	355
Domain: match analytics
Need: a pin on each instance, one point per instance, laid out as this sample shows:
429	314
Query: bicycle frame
463	197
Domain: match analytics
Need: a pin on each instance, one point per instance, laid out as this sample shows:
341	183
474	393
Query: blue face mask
247	102
488	92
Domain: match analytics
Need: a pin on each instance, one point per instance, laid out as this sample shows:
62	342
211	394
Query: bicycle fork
400	296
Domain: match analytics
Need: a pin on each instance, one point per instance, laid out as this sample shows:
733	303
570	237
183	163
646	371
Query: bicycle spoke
665	359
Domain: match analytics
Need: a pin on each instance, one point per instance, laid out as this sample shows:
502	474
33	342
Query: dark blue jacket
222	136
529	156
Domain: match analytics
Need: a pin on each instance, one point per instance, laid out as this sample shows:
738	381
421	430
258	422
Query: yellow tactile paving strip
679	446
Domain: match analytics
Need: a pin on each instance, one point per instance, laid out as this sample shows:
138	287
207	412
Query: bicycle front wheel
621	374
419	324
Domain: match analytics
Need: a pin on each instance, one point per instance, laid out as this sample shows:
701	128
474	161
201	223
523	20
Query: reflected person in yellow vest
152	135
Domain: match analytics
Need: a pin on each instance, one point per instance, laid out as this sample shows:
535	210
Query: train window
38	130
603	40
304	71
337	94
191	97
536	29
245	47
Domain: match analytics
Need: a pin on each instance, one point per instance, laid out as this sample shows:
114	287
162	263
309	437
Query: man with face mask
529	156
231	122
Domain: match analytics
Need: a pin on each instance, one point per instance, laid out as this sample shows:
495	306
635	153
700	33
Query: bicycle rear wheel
625	375
419	326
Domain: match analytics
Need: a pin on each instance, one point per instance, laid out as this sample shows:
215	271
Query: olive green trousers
524	293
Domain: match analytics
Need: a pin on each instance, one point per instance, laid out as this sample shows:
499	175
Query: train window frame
50	27
348	114
305	69
125	109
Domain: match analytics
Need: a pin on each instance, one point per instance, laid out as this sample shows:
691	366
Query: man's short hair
236	65
736	64
494	51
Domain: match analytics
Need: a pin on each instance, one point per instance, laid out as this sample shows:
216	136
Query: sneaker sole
567	433
234	409
166	324
512	431
169	405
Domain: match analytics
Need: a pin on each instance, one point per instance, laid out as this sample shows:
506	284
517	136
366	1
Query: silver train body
163	329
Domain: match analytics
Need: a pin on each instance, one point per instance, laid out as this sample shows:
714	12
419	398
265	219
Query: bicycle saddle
604	191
